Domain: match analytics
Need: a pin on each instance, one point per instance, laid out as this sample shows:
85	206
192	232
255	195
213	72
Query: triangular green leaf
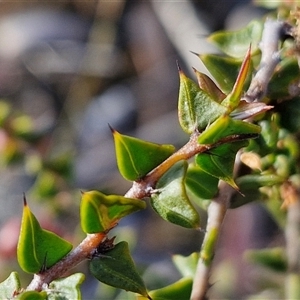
38	248
100	212
220	161
116	268
236	43
171	201
9	286
180	289
196	108
202	184
66	288
135	157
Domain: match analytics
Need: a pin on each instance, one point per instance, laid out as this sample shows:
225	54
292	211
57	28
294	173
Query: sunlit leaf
9	286
219	162
171	201
225	126
202	184
135	157
116	268
32	295
236	43
66	288
180	289
274	258
196	108
100	212
38	248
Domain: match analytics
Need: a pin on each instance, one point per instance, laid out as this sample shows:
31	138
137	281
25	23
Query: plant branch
83	251
292	235
216	213
273	33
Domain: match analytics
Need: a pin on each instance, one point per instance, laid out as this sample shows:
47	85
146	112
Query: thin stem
273	33
216	213
292	235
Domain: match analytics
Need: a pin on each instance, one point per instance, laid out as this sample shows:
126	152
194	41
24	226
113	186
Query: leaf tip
111	129
24	200
195	53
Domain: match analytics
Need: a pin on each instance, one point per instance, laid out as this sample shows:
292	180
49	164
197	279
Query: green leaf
196	108
171	201
274	258
236	43
224	70
226	126
255	181
116	268
200	183
220	161
186	265
135	157
180	289
32	295
38	248
66	288
9	286
99	212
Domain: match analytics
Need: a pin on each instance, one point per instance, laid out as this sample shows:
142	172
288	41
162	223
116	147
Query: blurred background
70	68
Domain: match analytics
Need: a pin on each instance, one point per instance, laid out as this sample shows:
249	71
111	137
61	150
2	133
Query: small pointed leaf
206	84
171	201
225	126
38	248
66	288
180	289
135	157
117	269
202	184
233	99
220	161
9	286
100	212
196	108
236	43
